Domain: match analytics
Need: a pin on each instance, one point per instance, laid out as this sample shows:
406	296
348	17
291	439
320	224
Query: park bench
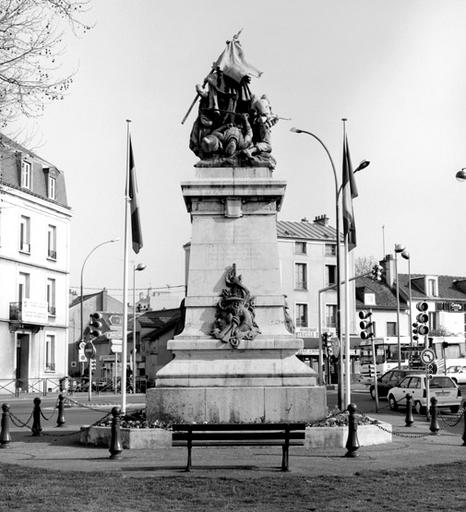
239	434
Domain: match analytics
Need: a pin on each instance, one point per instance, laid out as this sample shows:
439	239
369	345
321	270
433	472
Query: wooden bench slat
237	426
236	443
217	436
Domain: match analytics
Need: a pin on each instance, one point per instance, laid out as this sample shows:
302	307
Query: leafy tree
364	264
31	45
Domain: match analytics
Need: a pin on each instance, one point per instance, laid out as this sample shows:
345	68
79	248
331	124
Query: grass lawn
430	488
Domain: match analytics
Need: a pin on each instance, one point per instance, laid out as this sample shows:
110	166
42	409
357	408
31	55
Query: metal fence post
434	426
115	443
61	412
409	420
36	412
352	444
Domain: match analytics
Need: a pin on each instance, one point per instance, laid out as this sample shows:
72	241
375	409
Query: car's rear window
441	382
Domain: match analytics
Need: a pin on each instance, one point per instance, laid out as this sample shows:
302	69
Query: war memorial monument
235	359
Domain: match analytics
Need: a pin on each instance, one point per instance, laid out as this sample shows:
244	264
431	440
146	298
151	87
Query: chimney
388	264
304	219
322	220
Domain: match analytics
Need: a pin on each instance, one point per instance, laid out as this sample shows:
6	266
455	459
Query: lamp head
362	165
461	175
295	130
139	267
399	248
405	254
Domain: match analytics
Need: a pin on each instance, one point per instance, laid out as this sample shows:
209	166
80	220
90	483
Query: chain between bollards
5	437
352	443
115	443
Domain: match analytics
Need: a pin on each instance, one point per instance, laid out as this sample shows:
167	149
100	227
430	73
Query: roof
10	172
77	300
449	287
158	322
385	297
305	230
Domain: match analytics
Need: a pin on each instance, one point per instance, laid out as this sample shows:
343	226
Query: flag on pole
133	196
349	193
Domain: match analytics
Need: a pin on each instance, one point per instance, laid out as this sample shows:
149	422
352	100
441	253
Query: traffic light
326	345
366	324
95	325
422	318
93	364
415	331
377	272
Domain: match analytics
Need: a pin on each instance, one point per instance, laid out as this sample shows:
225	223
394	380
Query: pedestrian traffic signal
366	324
377	272
422	318
326	344
95	325
93	364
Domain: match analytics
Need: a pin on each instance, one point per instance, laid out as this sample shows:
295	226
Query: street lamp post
398	249
136	268
405	255
361	166
82	300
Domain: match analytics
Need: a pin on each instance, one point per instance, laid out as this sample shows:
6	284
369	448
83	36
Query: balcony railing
52	254
25	247
52	310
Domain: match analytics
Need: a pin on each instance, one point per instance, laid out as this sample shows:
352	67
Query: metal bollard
464	418
434	426
352	443
36	413
61	413
5	437
409	420
115	444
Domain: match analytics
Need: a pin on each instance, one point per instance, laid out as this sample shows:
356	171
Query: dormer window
52	187
431	287
26	174
369	298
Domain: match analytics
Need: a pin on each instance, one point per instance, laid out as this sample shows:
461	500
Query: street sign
89	350
82	344
116	346
427	356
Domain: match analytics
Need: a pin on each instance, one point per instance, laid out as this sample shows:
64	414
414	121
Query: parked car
443	388
457	373
391	379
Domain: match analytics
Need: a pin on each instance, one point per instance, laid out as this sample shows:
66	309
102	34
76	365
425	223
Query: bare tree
364	264
31	45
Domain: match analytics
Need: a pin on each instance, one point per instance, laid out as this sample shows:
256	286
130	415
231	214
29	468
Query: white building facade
34	271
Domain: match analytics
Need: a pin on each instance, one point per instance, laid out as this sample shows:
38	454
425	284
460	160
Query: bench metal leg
188	464
285	457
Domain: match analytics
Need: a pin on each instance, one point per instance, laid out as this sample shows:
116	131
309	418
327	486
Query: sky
394	68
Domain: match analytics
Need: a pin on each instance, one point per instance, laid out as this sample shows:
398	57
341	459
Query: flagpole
124	350
347	310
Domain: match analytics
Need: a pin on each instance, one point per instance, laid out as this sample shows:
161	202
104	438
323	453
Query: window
301	315
330	250
331	315
300	248
25	234
301	276
52	242
52	182
26	174
433	324
51	296
391	329
331	271
369	298
23	286
432	287
50	353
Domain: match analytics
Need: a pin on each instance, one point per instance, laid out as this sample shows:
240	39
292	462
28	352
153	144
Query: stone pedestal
233	212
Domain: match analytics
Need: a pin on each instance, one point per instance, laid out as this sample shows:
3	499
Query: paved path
58	449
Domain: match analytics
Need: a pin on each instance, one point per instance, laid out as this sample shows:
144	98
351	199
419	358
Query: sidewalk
58	449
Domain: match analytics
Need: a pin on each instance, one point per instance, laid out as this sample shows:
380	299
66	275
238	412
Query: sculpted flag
133	195
232	61
349	193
